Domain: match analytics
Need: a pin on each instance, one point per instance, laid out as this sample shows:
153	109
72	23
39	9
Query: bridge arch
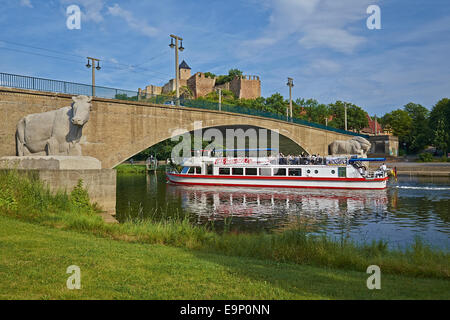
283	138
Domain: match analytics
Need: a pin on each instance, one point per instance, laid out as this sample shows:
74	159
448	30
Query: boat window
209	169
224	171
198	170
316	171
265	171
342	172
238	171
308	171
295	172
279	172
191	170
185	170
251	171
333	171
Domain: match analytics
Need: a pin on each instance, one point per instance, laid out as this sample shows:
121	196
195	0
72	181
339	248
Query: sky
324	45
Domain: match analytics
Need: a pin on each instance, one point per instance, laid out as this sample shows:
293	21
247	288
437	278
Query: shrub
7	199
425	157
80	197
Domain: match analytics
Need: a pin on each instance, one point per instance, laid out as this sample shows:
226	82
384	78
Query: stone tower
246	87
185	71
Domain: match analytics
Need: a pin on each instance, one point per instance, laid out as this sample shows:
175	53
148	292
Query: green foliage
425	157
164	272
79	196
420	133
24	192
210	75
313	111
232	73
7	199
400	122
440	121
125	168
441	137
416	127
356	116
123	96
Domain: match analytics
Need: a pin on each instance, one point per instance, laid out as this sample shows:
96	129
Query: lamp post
345	115
88	65
177	72
290	84
220	98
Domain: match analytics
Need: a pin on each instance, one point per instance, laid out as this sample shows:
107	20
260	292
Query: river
409	208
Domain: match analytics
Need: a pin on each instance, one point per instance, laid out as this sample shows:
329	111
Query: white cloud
316	23
26	3
337	39
133	22
323	67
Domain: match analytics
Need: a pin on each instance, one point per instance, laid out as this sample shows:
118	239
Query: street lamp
290	84
88	65
177	72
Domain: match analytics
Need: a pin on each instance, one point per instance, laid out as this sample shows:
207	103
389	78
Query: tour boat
270	172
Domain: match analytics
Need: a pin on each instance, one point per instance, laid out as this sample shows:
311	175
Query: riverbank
427	169
128	168
35	258
27	202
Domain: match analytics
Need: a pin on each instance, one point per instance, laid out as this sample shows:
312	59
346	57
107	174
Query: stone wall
100	184
200	85
384	145
246	87
150	90
171	85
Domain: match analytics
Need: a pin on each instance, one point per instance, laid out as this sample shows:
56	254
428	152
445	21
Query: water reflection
412	207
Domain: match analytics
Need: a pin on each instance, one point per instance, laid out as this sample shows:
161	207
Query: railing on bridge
57	86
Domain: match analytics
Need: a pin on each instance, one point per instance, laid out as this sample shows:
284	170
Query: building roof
371	128
184	65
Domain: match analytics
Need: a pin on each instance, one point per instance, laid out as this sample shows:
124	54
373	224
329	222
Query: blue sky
323	44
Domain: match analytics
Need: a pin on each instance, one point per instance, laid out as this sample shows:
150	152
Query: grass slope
34	260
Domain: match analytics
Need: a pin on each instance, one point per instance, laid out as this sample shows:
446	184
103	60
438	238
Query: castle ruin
243	87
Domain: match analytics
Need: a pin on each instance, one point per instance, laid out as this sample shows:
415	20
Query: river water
409	208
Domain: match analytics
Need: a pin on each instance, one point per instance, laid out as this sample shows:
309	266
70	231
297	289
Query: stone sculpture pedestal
62	173
50	163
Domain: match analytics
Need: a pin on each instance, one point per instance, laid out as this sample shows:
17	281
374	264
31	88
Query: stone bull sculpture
356	145
56	132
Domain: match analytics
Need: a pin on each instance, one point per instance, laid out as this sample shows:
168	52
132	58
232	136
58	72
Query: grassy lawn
34	260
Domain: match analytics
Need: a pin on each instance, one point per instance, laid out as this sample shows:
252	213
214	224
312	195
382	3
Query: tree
232	73
441	136
441	111
313	111
400	122
356	116
276	104
420	134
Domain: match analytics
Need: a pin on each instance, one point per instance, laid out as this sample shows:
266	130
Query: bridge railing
57	86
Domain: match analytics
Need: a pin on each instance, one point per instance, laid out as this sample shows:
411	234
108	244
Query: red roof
371	127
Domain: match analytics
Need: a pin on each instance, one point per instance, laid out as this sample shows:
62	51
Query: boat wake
422	188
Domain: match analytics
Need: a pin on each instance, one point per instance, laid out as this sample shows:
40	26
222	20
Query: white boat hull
280	182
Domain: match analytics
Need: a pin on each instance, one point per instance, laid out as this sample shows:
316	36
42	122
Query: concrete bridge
119	129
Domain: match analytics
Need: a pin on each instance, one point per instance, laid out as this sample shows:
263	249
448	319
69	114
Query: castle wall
246	87
171	85
200	85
